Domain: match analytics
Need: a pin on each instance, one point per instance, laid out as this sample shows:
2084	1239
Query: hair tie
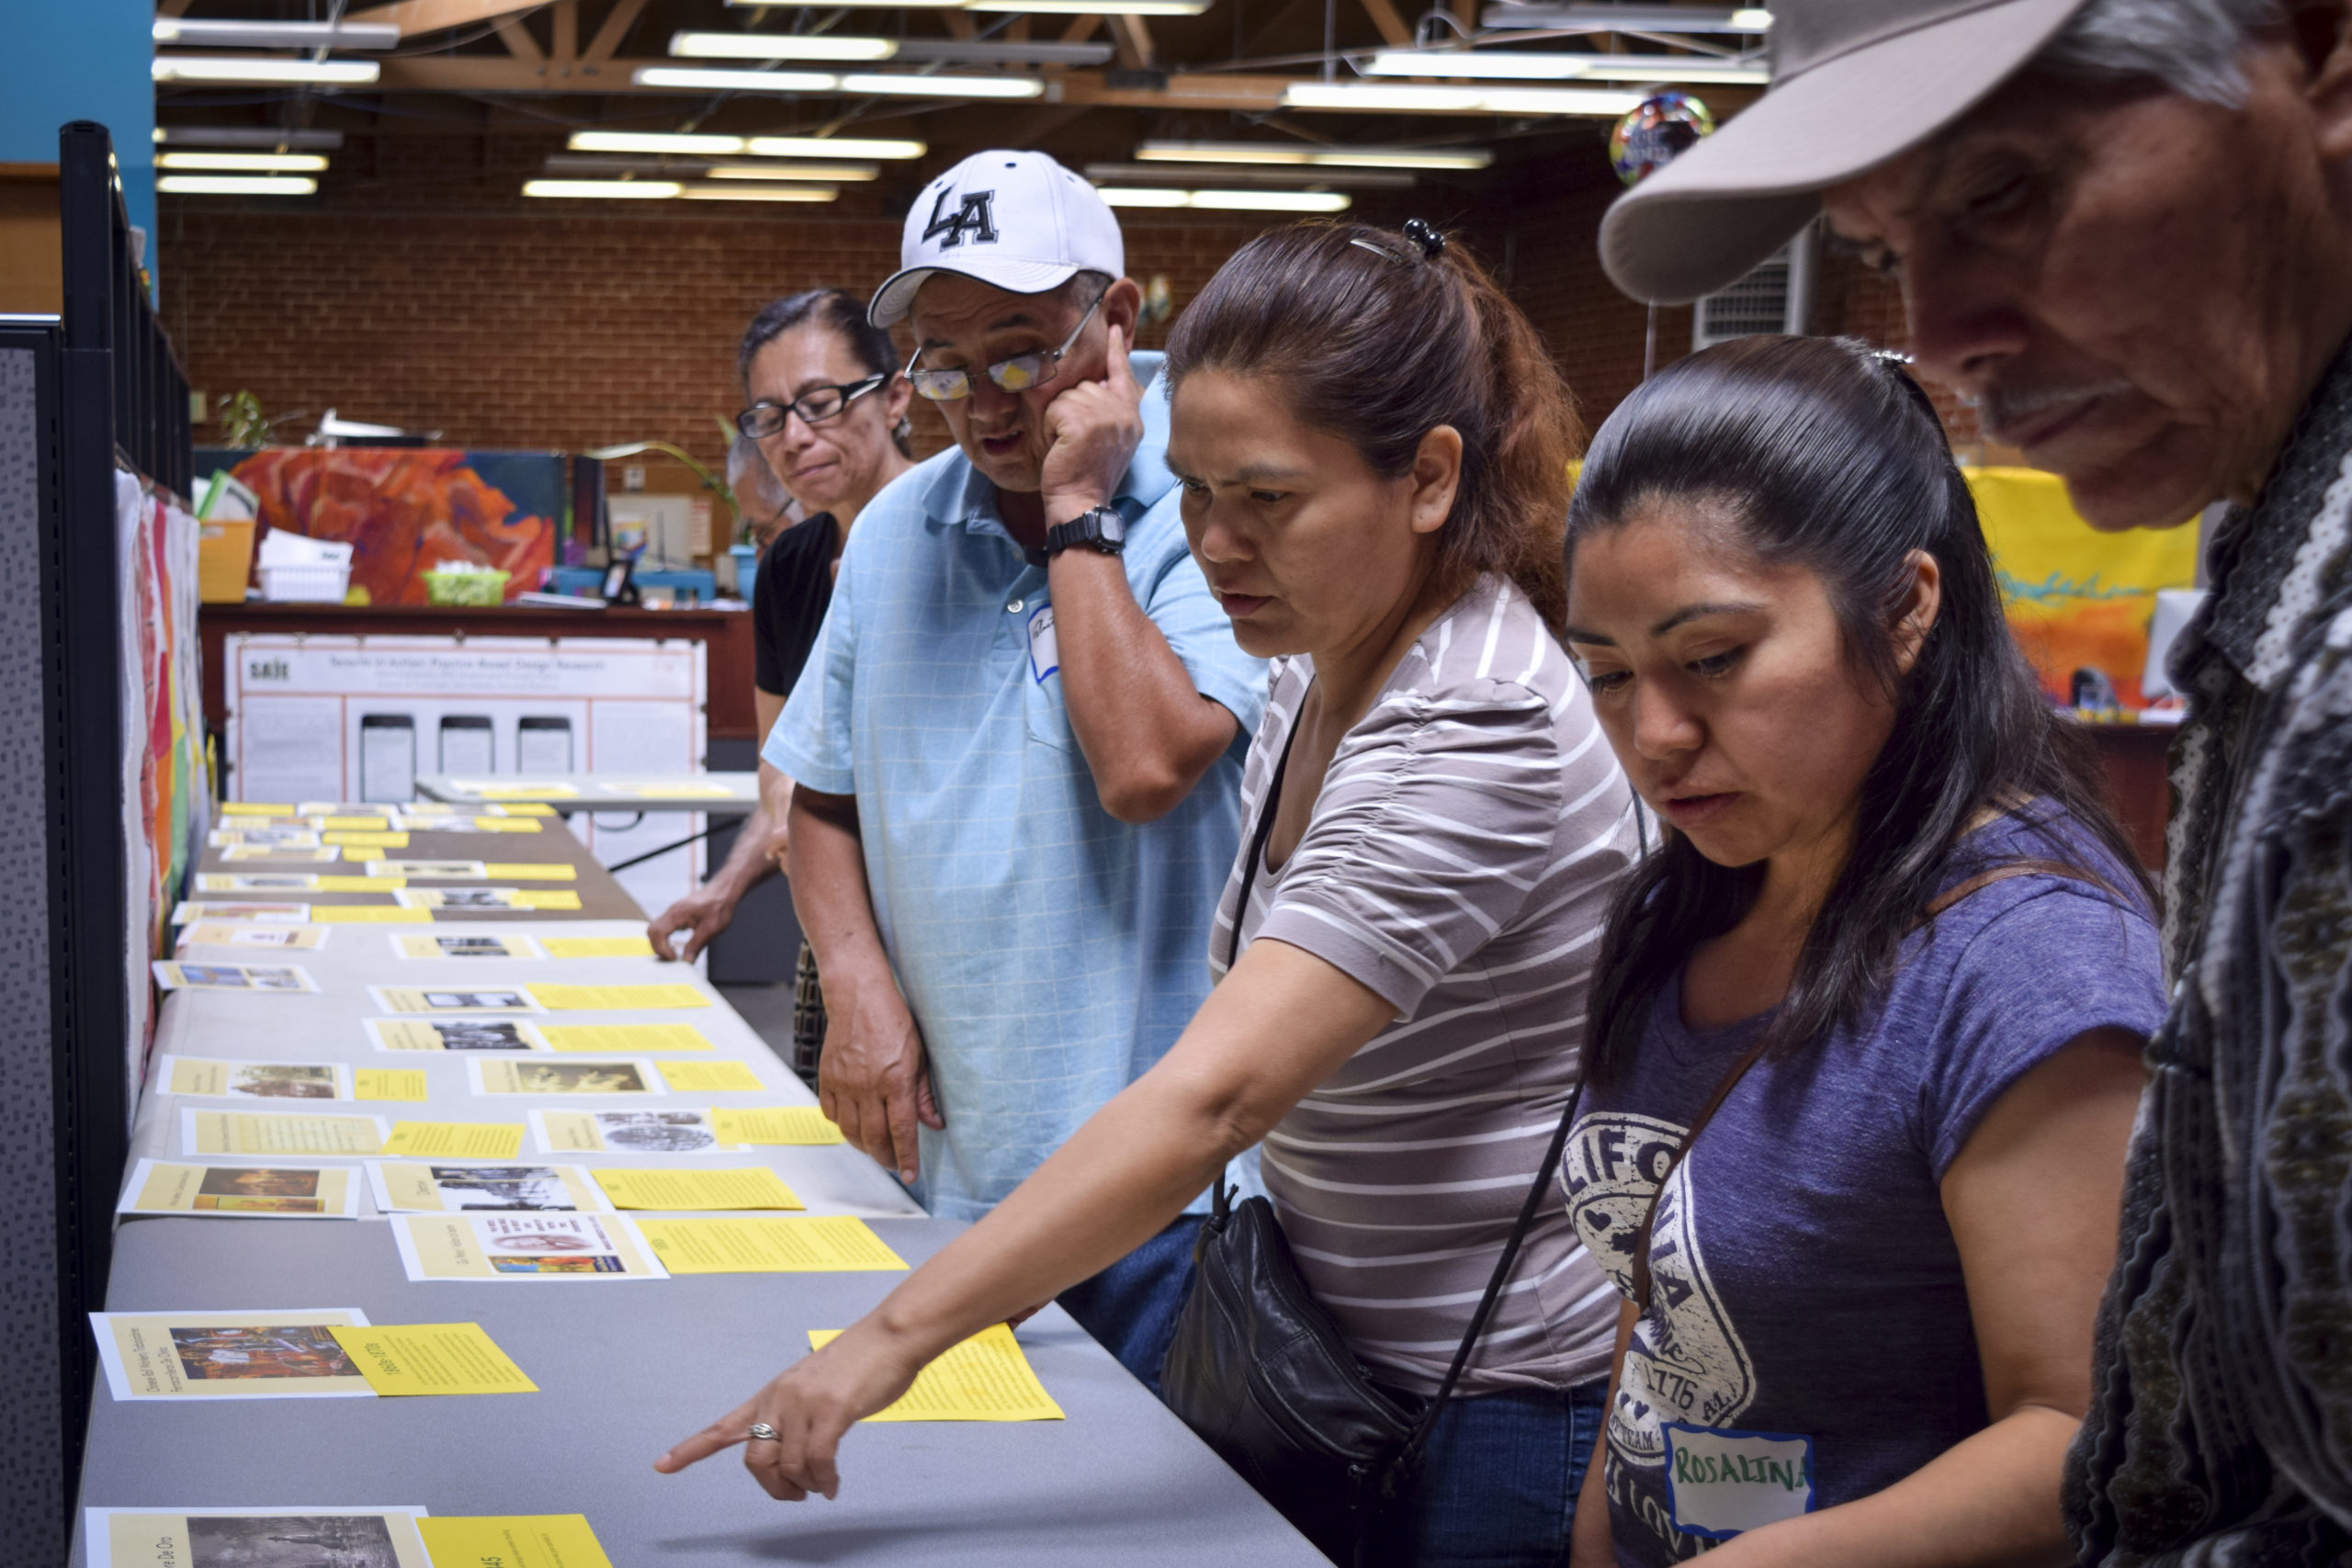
1432	242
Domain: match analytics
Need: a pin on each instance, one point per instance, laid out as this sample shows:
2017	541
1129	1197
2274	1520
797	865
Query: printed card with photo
446	870
453	999
302	1537
280	978
627	1132
464	944
247	1192
453	1035
251	1080
441	1187
272	835
249	1133
523	1247
459	898
256	882
189	912
281	935
540	1076
286	1353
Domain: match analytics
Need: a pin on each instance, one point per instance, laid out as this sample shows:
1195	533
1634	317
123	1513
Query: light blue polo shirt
1050	952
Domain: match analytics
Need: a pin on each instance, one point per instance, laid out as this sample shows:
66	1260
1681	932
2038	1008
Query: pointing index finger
1121	378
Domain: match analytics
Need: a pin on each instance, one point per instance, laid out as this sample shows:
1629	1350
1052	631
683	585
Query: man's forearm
1147	732
826	858
747	864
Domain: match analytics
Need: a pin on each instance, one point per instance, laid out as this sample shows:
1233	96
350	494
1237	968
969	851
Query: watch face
1114	526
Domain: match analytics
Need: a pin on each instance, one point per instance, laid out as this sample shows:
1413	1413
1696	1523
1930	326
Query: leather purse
1260	1373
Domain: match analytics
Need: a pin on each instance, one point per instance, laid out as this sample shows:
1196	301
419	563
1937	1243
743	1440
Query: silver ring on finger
761	1432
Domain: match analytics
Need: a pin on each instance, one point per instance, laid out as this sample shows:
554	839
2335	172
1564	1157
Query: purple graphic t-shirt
1808	1340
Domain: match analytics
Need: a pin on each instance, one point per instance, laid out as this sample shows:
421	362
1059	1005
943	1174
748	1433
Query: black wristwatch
1102	530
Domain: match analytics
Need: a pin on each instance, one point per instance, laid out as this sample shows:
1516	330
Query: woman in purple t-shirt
1895	962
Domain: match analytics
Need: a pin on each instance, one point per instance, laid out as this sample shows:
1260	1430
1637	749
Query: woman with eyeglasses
1372	444
828	411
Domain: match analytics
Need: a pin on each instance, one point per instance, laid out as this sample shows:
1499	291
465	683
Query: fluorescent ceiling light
260	137
1305	154
605	190
1228	200
1002	51
760	193
792	171
1372	97
1226	176
860	5
252	163
831	147
779	46
655	142
944	86
1513	65
1628	18
1094	7
236	184
216	34
705	79
264	69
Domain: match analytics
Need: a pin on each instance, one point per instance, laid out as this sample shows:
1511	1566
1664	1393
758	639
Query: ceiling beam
515	34
617	22
565	15
1391	25
1081	28
414	17
1132	38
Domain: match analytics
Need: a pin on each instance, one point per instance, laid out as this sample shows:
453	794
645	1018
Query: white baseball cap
1018	221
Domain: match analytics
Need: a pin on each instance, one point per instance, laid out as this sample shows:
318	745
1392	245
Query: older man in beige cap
2123	229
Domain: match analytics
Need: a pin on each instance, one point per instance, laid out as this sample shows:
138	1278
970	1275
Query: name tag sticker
1719	1482
1045	653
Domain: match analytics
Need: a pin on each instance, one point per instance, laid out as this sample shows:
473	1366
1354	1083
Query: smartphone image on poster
386	757
542	745
466	744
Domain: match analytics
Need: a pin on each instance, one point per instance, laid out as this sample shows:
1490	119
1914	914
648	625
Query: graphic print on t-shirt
1686	1362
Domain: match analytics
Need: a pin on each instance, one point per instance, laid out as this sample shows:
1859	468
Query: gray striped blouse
1458	862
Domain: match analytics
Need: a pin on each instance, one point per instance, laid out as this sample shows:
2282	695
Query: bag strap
1748	1058
1258	840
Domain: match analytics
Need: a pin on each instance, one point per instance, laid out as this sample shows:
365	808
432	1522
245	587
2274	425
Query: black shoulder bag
1259	1372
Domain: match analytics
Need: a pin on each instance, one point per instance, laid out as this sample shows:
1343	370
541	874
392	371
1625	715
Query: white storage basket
305	585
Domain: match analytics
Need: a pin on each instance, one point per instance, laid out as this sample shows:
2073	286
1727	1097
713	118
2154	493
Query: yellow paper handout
432	1358
624	1039
769	1243
520	1540
387	1083
529	871
455	1140
984	1378
253	1133
710	1077
598	947
616	999
774	1124
369	915
749	1186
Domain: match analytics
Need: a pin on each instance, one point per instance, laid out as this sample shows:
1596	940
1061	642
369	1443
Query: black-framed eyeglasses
814	406
1017	373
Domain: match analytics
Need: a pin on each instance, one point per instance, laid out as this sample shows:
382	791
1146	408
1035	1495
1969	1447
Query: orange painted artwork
408	510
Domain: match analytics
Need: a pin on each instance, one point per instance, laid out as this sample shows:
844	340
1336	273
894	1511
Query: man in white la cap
2123	229
1018	741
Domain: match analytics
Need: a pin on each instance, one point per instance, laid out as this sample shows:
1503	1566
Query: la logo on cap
974	216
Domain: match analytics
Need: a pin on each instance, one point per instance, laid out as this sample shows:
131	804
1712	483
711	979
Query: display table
625	1369
740	793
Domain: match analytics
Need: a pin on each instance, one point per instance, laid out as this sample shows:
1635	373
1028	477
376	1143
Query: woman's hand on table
810	1403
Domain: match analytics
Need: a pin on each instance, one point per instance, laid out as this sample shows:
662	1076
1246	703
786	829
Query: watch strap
1099	528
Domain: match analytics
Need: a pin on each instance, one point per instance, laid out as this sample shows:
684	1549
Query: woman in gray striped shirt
1373	447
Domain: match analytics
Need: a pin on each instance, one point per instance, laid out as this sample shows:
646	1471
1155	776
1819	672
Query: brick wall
421	290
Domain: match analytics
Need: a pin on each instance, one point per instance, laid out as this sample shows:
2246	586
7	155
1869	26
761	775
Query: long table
625	1368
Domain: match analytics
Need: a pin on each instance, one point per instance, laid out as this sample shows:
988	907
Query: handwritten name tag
1720	1482
1045	653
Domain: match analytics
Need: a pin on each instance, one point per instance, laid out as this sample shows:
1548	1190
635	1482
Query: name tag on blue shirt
1720	1482
1045	653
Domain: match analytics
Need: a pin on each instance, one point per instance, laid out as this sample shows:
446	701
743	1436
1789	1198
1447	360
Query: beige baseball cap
1854	83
